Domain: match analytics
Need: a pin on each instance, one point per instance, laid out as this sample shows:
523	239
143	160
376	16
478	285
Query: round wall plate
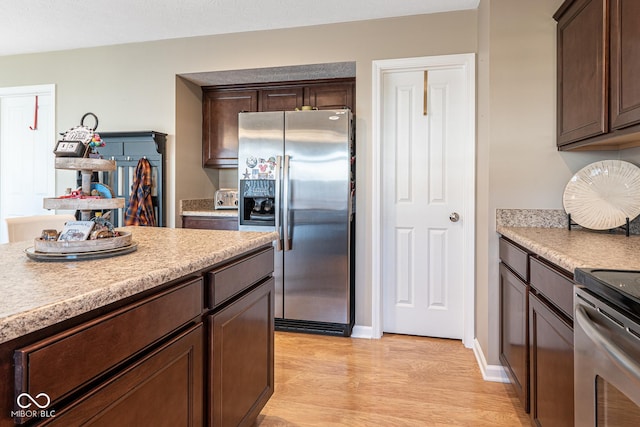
603	195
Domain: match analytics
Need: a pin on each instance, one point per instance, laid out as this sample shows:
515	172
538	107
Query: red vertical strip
35	116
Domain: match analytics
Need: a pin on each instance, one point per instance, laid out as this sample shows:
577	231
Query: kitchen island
179	332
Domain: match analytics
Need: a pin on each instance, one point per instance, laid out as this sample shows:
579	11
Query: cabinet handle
426	92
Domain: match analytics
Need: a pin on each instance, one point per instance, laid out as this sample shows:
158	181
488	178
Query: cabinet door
551	345
241	370
625	63
220	110
165	388
582	71
281	99
514	338
331	95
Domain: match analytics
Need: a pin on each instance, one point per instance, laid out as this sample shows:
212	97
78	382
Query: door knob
454	217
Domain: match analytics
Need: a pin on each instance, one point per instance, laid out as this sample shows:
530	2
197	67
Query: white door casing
423	171
27	172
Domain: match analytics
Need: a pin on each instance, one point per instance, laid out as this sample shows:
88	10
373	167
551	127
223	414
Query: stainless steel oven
606	349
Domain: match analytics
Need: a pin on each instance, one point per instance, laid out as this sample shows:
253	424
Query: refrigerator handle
277	201
285	203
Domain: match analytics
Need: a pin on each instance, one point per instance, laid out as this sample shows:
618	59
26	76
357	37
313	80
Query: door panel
26	156
317	266
422	186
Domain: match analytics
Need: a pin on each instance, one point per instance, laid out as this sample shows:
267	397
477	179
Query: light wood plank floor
398	380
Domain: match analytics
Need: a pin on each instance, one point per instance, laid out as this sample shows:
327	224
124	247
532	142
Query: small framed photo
70	149
76	230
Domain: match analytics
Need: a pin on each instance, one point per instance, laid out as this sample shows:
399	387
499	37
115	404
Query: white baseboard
362	332
495	373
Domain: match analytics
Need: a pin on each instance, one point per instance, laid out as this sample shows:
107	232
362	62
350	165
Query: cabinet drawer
164	388
62	363
555	287
515	258
231	280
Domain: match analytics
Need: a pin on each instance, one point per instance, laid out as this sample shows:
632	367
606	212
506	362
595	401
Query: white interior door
27	172
424	138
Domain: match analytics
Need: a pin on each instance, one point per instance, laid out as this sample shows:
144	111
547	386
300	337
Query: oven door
606	366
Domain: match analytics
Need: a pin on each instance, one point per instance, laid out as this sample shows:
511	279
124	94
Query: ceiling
30	26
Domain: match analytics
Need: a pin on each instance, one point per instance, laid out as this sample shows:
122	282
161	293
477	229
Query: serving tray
80	256
82	246
603	194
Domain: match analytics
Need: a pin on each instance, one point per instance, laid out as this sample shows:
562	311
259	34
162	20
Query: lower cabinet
241	373
536	334
210	223
165	388
514	343
551	337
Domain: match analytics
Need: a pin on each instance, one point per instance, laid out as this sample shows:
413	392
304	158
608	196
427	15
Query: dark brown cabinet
210	222
220	110
221	105
514	342
551	365
281	98
514	312
536	333
551	344
327	96
163	388
65	363
598	59
241	379
241	336
625	63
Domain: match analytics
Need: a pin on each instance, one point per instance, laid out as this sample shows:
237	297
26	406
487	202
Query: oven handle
609	347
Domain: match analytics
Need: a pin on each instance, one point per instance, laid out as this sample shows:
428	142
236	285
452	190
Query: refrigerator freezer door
316	267
261	139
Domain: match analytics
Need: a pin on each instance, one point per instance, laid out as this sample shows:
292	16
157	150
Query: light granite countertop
216	213
37	294
204	207
578	248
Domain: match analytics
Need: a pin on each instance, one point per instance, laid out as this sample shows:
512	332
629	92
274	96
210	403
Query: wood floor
398	380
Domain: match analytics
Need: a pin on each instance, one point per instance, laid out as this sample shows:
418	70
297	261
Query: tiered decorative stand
86	168
47	250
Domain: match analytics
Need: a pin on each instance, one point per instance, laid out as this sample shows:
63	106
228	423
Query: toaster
226	198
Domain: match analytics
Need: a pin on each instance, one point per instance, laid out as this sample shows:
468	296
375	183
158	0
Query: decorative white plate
603	195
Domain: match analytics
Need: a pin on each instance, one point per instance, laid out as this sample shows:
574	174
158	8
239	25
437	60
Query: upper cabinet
220	110
598	64
221	105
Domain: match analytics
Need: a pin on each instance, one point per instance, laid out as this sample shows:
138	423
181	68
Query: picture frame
74	231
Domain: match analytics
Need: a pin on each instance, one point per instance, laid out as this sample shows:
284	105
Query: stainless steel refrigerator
296	176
